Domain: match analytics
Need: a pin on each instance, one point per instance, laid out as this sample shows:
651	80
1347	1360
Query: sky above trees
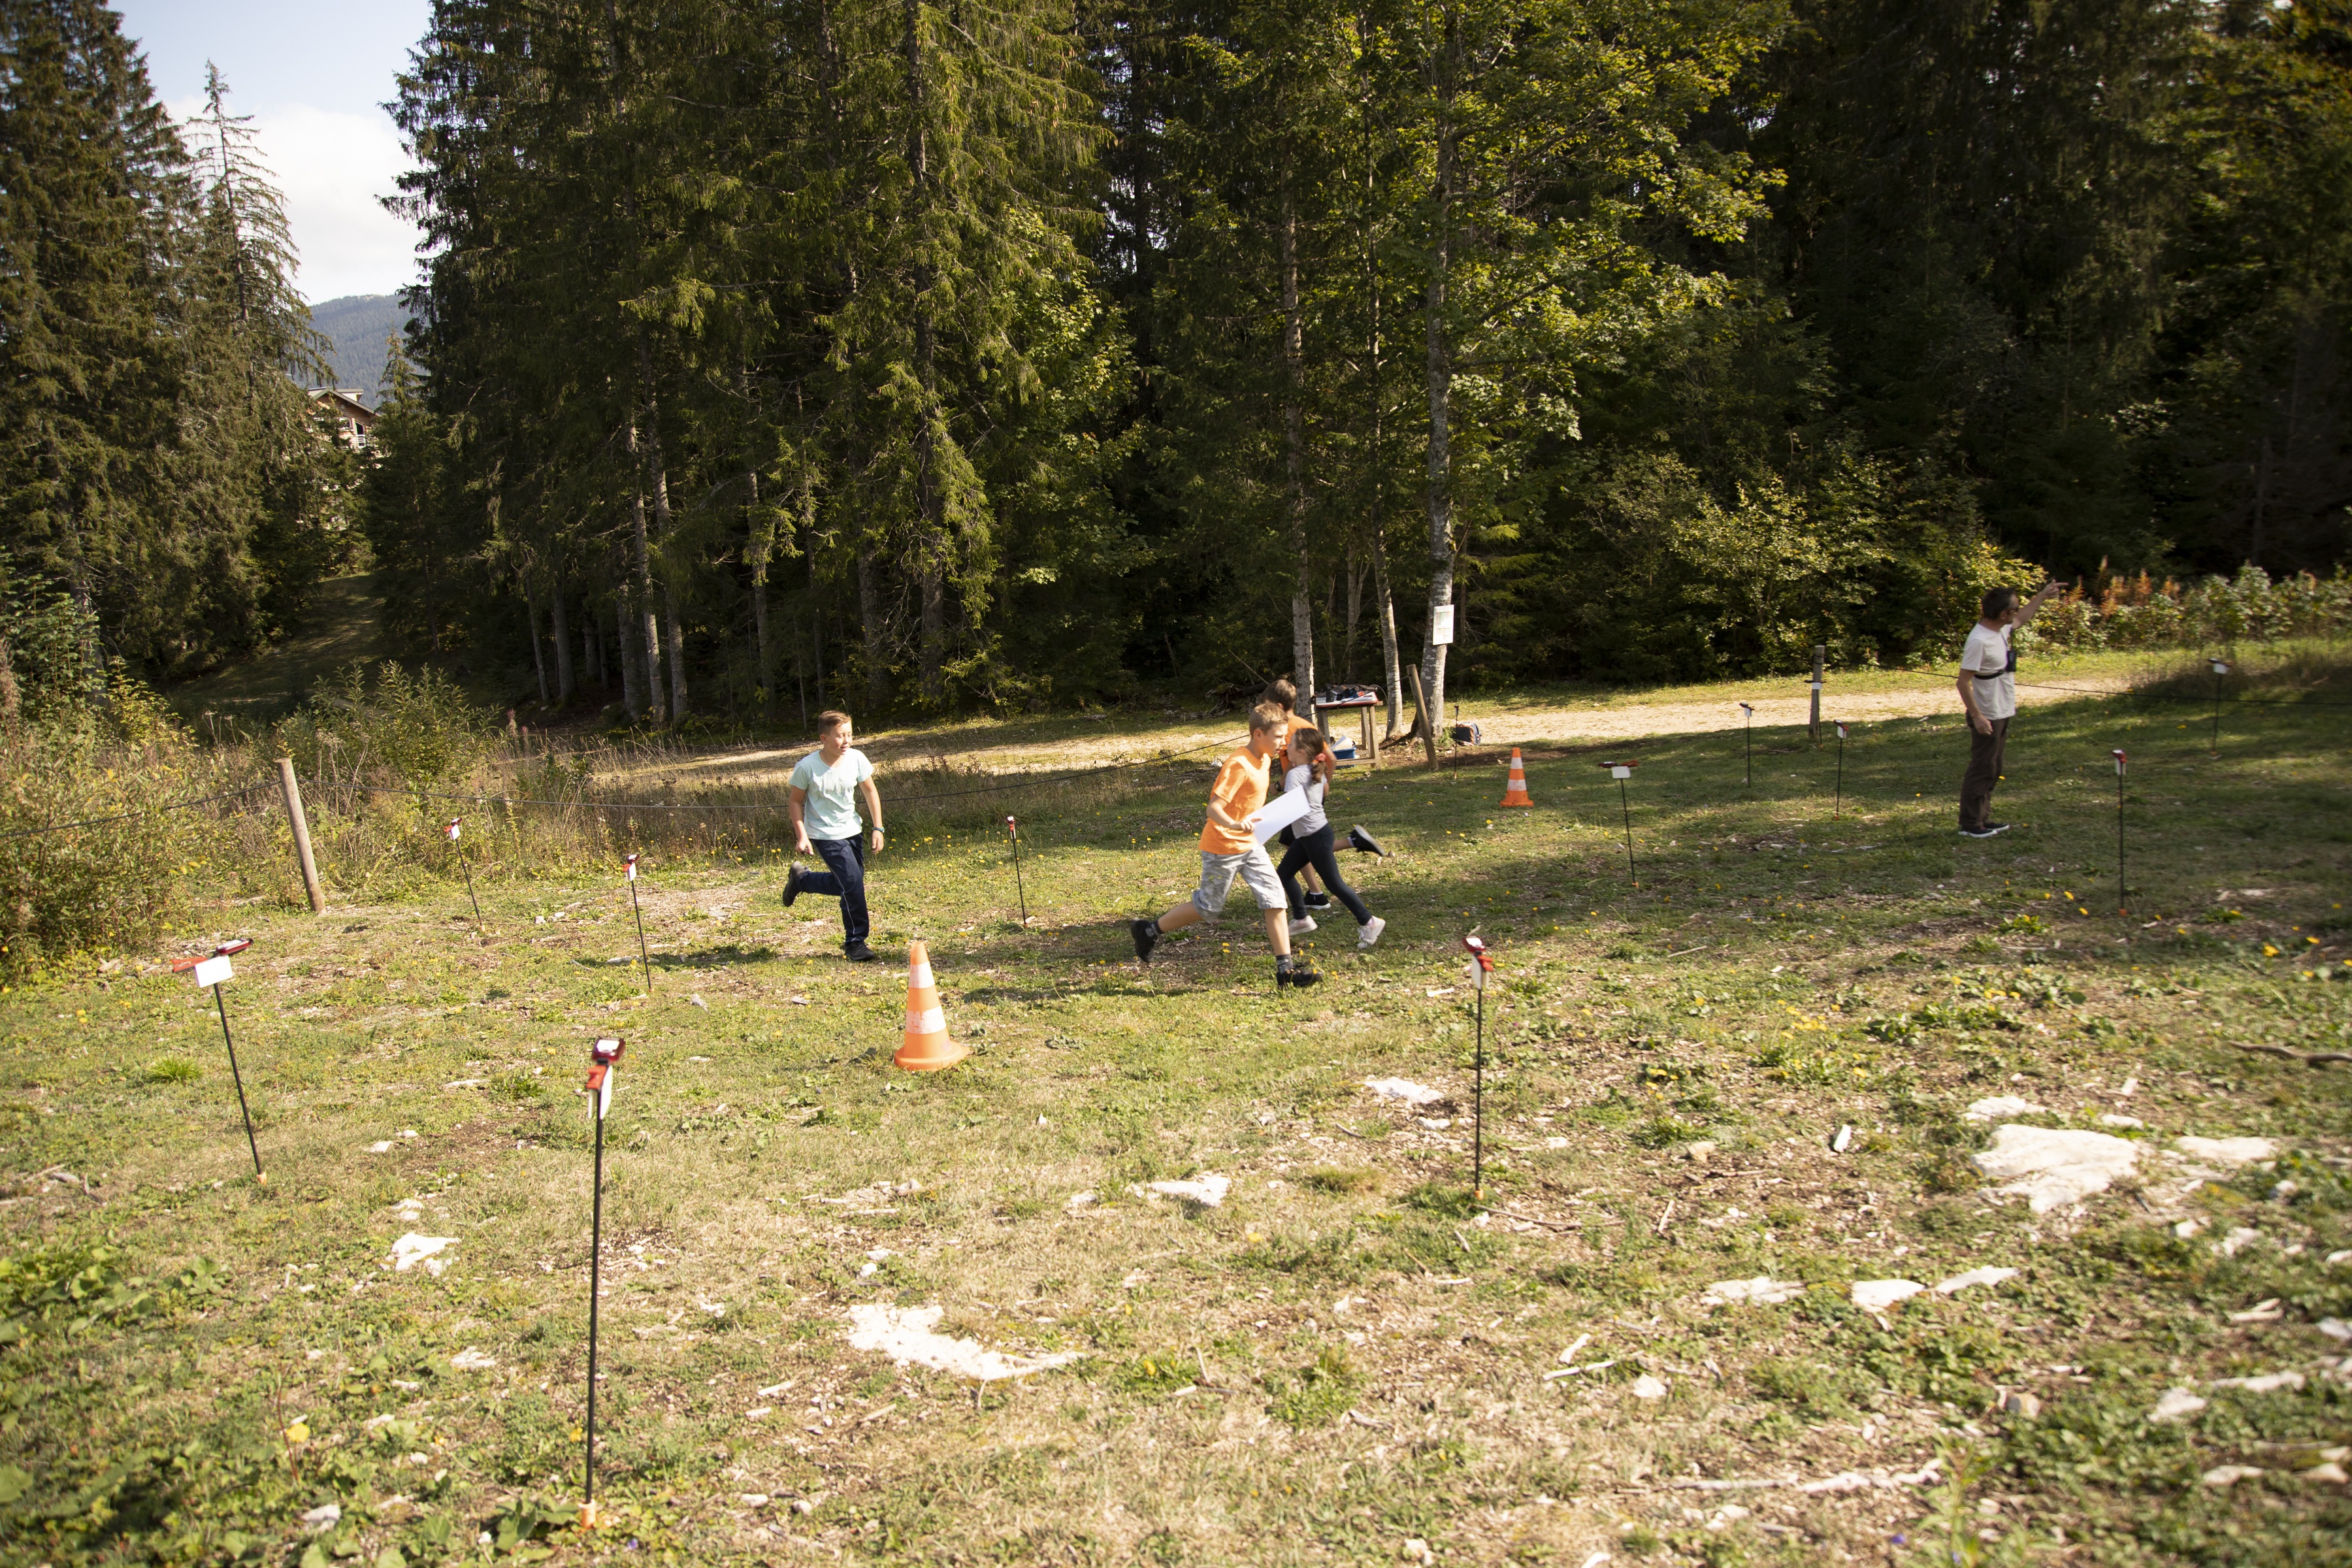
315	84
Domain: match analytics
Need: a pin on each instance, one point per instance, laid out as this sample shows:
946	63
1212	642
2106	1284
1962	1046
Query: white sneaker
1368	934
1301	924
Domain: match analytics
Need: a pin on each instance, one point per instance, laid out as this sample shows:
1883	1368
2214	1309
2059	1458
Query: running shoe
1301	924
1147	937
1360	840
793	876
1368	935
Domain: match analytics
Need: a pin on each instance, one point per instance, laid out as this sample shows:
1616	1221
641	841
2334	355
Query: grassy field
1352	1357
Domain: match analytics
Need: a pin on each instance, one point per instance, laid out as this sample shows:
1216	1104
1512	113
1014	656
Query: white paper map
1280	813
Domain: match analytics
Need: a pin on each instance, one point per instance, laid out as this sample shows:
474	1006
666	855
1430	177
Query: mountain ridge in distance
355	327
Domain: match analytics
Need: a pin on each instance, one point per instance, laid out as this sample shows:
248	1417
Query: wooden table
1369	752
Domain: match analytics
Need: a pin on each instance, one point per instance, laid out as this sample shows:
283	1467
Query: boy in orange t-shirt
1230	849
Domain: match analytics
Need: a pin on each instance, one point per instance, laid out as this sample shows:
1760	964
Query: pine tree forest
936	356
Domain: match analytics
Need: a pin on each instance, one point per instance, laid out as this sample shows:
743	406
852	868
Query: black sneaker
858	952
1317	901
791	883
1358	839
1147	937
1296	977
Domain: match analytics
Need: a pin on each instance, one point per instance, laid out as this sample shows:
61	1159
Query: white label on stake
211	972
452	831
633	868
1472	973
1441	626
1621	773
604	1094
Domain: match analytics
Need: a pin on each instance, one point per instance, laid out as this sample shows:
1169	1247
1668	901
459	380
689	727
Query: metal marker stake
452	831
2123	889
213	972
642	959
1013	828
1480	965
604	1057
1837	802
1620	772
1749	732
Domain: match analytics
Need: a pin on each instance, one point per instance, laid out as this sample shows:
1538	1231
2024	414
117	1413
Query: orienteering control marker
1013	830
1480	964
646	963
1620	772
604	1057
452	833
210	973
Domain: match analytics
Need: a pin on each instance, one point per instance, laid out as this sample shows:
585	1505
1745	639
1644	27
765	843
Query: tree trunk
1355	614
1384	611
624	645
1294	441
2262	504
1441	475
660	475
565	682
760	546
929	496
591	648
646	630
869	611
538	647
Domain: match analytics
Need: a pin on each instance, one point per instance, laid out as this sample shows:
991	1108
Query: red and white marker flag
212	971
630	865
2119	764
1841	729
1479	964
451	831
605	1056
1011	827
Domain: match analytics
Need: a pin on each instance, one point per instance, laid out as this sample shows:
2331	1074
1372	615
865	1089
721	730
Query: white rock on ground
2230	1475
2268	1383
1987	1276
471	1360
1209	1192
2175	1404
1763	1288
2229	1151
2052	1166
1877	1295
413	1249
905	1334
1648	1387
1999	1106
1413	1094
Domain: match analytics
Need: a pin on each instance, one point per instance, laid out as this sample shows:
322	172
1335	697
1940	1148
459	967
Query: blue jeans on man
843	878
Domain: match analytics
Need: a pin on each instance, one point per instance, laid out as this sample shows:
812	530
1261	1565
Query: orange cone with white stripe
928	1048
1516	792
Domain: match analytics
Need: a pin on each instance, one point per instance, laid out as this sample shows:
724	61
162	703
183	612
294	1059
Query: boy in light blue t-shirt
825	788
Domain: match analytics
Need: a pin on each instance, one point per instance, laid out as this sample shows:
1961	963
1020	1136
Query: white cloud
333	167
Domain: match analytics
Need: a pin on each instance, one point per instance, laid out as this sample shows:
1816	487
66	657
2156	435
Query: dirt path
1053	745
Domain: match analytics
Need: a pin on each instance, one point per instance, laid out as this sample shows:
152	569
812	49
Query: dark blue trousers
843	878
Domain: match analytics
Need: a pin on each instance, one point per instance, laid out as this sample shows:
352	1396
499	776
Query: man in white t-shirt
825	789
1987	689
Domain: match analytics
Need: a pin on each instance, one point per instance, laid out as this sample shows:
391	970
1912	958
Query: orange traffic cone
928	1048
1517	793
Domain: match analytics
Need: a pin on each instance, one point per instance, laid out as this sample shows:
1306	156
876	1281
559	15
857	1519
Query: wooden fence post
1820	654
293	791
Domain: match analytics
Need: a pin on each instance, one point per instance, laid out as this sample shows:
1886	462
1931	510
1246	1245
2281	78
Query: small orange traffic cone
1517	793
928	1048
